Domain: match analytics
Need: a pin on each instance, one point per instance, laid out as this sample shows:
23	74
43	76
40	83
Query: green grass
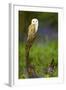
40	56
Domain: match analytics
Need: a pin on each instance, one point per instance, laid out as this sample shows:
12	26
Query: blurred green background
45	47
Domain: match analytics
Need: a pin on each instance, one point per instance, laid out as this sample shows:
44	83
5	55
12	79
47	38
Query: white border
14	33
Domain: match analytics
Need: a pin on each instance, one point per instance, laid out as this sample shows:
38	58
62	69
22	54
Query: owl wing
31	31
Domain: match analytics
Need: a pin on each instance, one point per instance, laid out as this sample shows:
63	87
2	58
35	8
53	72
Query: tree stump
28	46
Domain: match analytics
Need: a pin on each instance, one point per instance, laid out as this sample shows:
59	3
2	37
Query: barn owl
33	28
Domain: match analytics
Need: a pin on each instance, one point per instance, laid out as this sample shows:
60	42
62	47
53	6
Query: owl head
34	21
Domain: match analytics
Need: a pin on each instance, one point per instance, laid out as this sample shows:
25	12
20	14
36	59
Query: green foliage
40	56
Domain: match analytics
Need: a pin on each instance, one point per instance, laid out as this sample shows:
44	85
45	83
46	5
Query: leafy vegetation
40	56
